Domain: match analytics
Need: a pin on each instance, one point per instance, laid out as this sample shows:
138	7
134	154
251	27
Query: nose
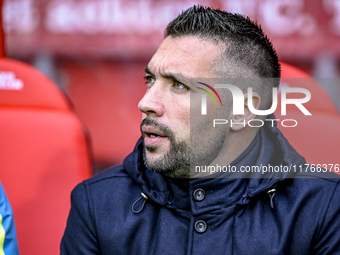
153	101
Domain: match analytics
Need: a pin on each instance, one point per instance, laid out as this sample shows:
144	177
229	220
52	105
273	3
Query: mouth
152	136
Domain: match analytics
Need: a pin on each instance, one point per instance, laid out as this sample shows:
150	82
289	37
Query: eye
180	86
149	80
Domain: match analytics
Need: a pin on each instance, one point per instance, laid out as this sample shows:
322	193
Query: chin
152	157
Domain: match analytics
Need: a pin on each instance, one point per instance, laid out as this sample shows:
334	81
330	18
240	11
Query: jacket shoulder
106	175
114	181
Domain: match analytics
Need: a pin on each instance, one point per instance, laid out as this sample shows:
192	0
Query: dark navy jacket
208	215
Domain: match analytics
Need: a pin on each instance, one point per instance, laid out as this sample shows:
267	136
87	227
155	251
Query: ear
248	115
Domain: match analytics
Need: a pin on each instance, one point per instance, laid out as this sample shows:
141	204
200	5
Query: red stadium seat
316	137
44	153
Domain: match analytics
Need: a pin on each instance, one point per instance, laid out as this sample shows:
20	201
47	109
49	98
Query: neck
236	143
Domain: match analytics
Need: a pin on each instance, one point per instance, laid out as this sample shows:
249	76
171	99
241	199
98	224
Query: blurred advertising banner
117	28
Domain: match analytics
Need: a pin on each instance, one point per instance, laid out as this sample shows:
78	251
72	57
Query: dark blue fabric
305	218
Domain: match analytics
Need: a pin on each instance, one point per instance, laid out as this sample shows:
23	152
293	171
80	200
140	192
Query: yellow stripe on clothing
2	237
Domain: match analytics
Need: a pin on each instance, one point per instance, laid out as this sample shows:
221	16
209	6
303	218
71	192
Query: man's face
166	104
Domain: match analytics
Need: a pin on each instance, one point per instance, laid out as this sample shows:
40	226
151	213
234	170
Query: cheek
185	113
185	117
181	117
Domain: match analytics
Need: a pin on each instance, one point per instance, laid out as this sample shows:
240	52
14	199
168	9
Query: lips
152	136
151	131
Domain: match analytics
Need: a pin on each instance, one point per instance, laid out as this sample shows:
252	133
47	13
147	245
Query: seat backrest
315	137
44	153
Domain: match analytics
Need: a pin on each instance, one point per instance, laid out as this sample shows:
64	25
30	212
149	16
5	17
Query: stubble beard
175	163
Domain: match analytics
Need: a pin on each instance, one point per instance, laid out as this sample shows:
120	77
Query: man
151	205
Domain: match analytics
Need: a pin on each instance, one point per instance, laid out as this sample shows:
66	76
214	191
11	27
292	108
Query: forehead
190	56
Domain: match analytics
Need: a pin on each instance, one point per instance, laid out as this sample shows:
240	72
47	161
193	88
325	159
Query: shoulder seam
89	182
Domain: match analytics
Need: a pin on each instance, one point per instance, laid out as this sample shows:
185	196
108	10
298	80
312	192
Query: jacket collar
269	147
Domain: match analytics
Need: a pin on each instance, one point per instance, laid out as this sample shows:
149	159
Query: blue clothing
8	239
274	215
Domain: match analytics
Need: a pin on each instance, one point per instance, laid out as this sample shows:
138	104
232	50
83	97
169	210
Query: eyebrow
176	76
147	70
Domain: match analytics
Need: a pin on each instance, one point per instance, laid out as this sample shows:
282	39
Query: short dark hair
246	43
